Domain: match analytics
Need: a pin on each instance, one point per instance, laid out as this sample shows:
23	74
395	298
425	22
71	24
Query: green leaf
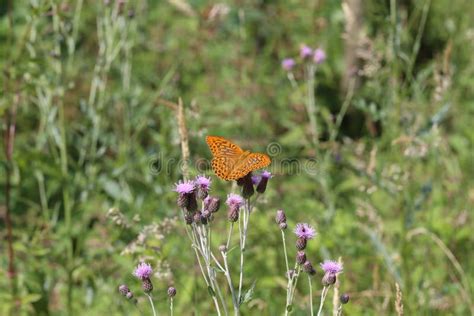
248	294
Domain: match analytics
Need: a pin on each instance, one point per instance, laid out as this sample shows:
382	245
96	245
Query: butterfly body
230	162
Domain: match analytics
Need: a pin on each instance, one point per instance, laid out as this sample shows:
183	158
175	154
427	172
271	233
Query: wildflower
344	298
288	64
280	217
283	226
262	185
212	204
256	179
331	267
305	51
234	200
171	292
304	231
308	268
319	56
300	257
143	271
186	197
203	185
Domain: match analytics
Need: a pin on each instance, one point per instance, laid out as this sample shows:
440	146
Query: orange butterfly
230	162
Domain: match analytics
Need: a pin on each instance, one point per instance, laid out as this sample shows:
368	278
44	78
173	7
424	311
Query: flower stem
310	295
323	297
171	307
152	305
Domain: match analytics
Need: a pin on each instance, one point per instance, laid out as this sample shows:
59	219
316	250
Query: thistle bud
197	218
328	279
233	214
301	243
124	290
212	204
280	217
171	292
222	248
300	257
188	218
283	226
247	188
206	214
344	298
192	203
262	185
147	285
129	295
308	268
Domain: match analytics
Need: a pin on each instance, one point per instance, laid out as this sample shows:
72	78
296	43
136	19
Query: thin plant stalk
171	306
310	295
152	305
324	293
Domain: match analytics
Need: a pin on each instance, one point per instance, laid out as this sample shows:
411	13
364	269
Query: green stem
310	295
152	305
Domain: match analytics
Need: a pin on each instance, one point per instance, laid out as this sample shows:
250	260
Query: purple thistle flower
319	56
234	200
305	231
184	187
266	174
305	51
171	292
330	266
288	64
203	183
262	185
256	179
143	271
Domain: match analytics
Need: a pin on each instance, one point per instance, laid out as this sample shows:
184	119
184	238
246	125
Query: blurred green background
390	190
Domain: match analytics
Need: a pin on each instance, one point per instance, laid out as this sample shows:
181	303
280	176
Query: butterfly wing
221	147
249	163
223	166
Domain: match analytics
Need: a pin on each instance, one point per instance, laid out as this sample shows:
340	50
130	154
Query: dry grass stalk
399	300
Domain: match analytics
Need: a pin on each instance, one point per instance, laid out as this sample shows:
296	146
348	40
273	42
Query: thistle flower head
319	56
308	268
300	257
171	292
305	51
266	174
203	183
184	187
234	200
344	298
256	179
305	231
280	217
288	64
330	266
143	271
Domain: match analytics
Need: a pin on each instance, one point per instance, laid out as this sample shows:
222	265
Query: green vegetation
376	152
